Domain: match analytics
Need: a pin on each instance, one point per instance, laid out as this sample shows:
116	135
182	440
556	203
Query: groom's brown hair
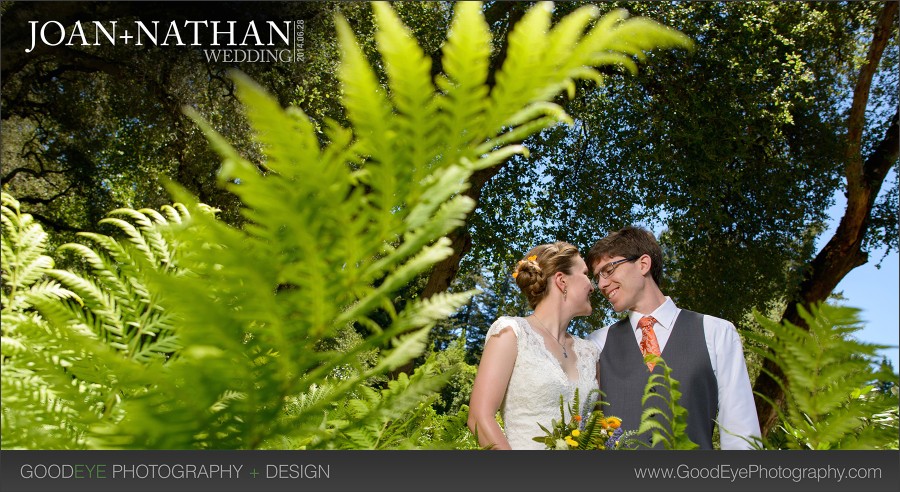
630	242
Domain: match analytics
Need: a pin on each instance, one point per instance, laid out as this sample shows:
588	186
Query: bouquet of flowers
596	431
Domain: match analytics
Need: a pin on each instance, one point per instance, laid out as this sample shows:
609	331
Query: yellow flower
575	433
571	442
532	258
515	274
614	422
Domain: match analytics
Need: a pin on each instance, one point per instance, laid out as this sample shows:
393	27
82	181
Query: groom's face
618	279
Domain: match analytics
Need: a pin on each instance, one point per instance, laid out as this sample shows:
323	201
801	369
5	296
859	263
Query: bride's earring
565	292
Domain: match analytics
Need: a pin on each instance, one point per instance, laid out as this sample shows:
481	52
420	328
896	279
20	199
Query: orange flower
614	422
532	258
515	274
577	418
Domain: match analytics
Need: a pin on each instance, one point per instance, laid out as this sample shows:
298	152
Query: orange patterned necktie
649	344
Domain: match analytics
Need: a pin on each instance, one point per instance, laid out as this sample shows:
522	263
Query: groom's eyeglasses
610	267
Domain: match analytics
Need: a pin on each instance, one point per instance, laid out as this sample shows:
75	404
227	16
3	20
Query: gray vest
623	376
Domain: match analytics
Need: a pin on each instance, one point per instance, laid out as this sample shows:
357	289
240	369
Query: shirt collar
665	315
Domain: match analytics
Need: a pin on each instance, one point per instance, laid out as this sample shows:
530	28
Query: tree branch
856	120
53	223
24	170
885	153
45	201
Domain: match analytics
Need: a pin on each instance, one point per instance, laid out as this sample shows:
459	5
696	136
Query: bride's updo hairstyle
533	273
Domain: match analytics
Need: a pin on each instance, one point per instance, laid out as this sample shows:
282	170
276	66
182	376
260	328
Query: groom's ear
645	263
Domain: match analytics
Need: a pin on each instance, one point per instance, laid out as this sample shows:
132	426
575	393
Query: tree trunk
461	241
844	251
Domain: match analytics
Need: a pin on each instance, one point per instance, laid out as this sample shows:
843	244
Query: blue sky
874	290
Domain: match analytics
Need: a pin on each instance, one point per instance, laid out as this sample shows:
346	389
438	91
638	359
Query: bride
529	362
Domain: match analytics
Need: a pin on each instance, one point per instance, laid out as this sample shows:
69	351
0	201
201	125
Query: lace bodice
538	380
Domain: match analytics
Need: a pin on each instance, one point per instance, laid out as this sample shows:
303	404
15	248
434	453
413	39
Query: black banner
434	471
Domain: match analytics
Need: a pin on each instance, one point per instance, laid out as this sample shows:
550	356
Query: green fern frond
34	418
134	236
412	93
43	405
364	99
426	312
405	348
48	289
565	35
101	265
825	369
466	62
287	136
23	246
386	419
663	416
151	228
525	72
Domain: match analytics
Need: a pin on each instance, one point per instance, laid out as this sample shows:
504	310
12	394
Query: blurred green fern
332	234
829	376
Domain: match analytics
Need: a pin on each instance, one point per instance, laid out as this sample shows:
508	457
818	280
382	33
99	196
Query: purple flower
614	439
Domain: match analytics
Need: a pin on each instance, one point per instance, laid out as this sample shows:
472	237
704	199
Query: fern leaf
466	59
134	236
405	349
822	369
524	73
366	104
412	92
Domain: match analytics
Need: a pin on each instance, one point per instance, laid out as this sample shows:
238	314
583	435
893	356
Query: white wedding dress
537	382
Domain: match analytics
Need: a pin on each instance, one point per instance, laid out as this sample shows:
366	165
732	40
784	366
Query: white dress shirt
737	411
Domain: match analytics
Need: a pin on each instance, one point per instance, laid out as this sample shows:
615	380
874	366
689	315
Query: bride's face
580	287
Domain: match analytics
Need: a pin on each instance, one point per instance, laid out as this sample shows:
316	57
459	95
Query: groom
704	352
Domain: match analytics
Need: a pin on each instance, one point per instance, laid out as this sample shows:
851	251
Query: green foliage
42	405
117	303
249	350
456	394
704	146
80	343
831	400
24	243
392	417
665	419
